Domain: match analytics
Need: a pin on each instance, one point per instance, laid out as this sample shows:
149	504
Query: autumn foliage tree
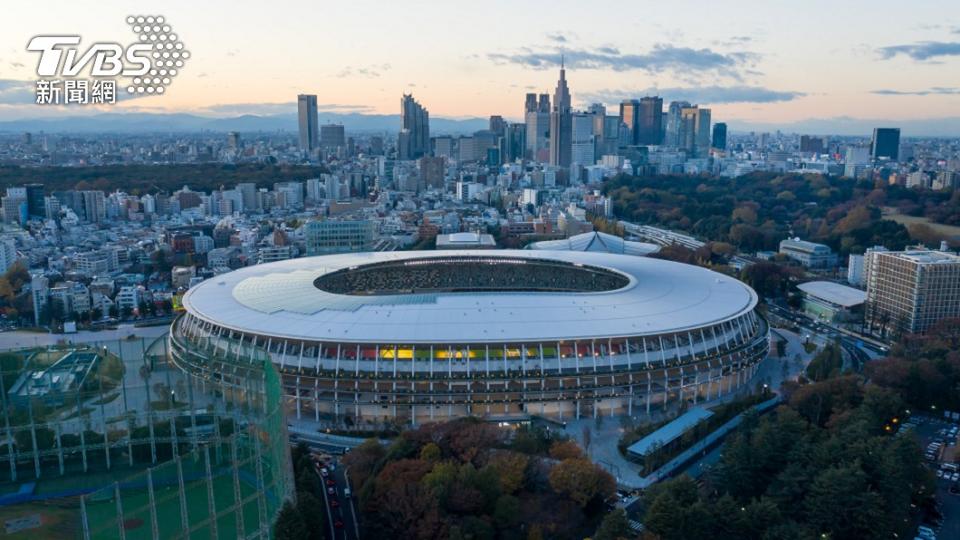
471	479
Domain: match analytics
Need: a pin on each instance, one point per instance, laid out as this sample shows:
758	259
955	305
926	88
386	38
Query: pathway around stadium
605	434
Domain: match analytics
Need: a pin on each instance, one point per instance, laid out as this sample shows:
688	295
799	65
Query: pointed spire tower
561	97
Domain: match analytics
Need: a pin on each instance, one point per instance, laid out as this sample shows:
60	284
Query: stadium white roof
834	293
279	299
597	241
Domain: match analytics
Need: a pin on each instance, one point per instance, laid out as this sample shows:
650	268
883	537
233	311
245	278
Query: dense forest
471	479
143	179
754	212
826	464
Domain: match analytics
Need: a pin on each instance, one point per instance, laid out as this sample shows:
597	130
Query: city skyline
743	64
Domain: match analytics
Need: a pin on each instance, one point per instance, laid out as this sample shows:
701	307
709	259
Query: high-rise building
561	124
811	145
885	144
538	127
514	143
582	146
630	118
307	117
856	160
530	104
695	131
40	291
95	206
36	205
911	291
248	194
498	125
674	120
233	140
332	136
719	139
432	171
650	121
414	139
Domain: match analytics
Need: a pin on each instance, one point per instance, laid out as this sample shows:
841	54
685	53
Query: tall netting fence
121	439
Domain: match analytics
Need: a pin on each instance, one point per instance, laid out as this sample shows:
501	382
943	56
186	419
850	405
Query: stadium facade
422	336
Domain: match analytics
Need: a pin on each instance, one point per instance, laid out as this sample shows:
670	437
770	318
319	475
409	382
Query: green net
142	439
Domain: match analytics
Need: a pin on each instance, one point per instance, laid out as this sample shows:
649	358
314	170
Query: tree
860	515
581	480
614	526
566	449
827	363
511	469
430	452
506	512
313	514
290	524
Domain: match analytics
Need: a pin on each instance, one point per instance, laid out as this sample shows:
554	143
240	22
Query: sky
774	62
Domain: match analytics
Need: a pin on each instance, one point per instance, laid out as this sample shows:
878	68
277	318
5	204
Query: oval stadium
425	336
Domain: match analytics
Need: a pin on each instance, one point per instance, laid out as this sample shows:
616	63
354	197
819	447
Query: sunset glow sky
753	61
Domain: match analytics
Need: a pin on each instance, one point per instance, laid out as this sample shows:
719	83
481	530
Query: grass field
948	232
136	510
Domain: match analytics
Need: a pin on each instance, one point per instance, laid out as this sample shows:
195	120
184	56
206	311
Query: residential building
911	291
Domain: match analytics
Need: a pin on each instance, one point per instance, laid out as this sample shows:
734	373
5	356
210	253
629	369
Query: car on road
334	503
331	491
338	524
331	482
346	492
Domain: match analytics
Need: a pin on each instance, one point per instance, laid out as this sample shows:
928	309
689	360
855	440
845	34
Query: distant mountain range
182	122
357	122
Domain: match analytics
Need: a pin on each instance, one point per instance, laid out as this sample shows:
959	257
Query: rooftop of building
834	293
597	241
650	297
465	240
669	432
927	256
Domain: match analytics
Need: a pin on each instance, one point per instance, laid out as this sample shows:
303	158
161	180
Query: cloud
733	41
661	58
13	92
933	91
369	72
698	94
16	64
924	50
269	109
557	37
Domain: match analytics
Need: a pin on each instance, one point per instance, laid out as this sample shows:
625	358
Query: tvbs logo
150	62
108	58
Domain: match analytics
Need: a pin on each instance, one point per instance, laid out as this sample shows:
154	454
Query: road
857	351
926	431
340	507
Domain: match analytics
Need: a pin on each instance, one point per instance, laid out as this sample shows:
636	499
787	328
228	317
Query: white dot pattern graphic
168	52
